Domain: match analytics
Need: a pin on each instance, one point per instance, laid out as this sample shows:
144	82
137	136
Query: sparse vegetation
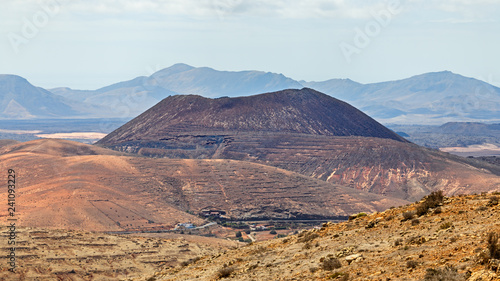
361	215
371	224
259	250
493	201
415	222
443	274
481	208
446	225
416	240
190	261
432	200
307	237
331	263
225	272
398	242
411	264
493	245
313	269
341	276
253	266
408	215
238	234
273	232
358	215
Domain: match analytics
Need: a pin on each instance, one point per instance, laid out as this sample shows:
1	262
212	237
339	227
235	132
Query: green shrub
238	234
273	232
361	215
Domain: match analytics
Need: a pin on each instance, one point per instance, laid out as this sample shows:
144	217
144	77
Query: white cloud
458	11
351	9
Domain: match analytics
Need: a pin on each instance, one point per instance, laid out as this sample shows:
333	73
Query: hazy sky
93	43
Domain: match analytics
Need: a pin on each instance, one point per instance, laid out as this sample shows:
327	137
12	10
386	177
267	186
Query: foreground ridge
449	241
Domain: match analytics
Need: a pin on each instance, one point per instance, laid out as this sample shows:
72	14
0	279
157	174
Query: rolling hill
89	188
302	131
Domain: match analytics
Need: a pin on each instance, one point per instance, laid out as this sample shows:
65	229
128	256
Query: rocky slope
454	240
48	254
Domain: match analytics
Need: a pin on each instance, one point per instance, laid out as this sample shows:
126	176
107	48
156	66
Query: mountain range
21	100
431	98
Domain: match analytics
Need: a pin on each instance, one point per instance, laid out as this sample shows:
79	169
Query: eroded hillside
449	241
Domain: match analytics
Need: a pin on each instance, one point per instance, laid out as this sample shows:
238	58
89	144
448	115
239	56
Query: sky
94	43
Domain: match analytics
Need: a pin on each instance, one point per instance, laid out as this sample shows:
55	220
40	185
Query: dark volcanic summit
302	131
304	111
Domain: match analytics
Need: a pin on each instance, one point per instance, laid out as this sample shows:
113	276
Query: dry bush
443	274
446	225
416	240
435	198
331	264
415	222
309	236
398	242
493	201
422	209
411	264
430	201
190	261
341	276
493	245
259	250
408	215
253	266
225	272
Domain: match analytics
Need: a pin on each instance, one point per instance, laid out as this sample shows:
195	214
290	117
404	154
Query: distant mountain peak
13	78
176	68
19	99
